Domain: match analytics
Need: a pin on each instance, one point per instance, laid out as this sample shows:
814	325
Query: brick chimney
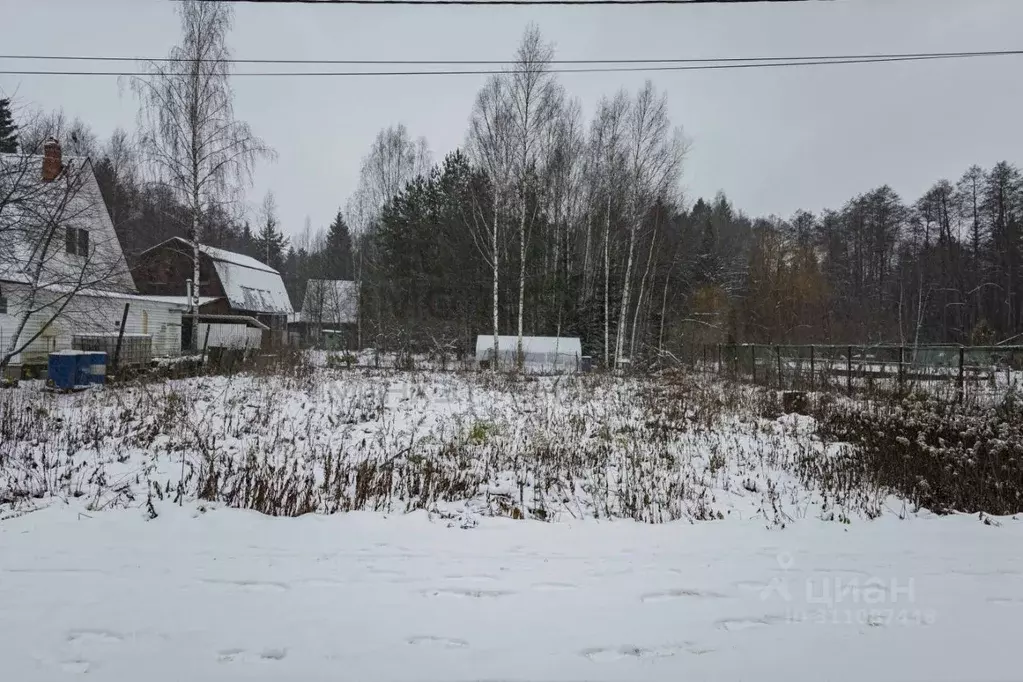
52	165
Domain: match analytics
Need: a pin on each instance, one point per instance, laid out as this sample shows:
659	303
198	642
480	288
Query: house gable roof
249	285
76	200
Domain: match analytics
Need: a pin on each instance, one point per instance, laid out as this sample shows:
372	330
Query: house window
76	241
3	303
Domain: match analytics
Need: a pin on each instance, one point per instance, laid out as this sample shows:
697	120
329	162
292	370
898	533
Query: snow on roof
76	198
249	289
181	300
334	301
235	258
560	345
249	285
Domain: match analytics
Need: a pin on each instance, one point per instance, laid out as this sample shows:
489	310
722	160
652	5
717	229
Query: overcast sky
774	139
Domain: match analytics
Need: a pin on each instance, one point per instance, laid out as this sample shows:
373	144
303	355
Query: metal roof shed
540	353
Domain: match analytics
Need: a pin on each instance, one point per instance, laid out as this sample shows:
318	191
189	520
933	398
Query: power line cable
484	72
482	3
484	62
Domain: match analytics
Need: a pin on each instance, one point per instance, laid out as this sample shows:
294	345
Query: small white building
542	354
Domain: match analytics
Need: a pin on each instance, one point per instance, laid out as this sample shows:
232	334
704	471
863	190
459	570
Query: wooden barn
229	284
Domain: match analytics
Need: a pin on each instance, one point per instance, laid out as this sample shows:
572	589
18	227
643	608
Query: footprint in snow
681	593
475	578
554	587
751	585
737	624
321	582
442	642
475	594
248	585
269	654
77	667
90	637
609	654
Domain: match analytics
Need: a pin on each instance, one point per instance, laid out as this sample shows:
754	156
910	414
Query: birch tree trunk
607	285
664	305
522	277
623	313
493	246
639	297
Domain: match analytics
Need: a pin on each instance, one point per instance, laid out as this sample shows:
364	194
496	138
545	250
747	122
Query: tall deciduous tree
490	147
190	136
653	166
534	103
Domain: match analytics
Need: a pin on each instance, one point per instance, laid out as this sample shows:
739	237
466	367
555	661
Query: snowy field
232	595
496	528
462	445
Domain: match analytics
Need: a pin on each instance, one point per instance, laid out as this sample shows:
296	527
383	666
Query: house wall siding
90	314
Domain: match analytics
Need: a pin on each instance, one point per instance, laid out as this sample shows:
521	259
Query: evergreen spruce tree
8	130
270	243
337	259
248	241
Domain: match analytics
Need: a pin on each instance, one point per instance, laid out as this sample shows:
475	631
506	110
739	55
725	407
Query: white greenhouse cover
552	353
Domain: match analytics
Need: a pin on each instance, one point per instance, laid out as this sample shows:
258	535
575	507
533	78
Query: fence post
753	358
120	336
777	354
848	370
206	343
902	371
962	378
812	377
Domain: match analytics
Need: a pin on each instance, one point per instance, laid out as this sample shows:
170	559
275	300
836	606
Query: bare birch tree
490	148
535	98
562	179
393	160
653	166
607	159
189	134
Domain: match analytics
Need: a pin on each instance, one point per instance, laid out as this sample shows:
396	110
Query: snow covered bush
938	454
289	439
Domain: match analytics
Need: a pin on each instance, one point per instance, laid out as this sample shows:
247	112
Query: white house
539	353
62	271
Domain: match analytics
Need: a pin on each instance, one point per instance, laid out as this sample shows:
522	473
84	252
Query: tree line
548	224
544	223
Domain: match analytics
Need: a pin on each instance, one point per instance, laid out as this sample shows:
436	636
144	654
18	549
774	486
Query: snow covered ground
471	445
233	595
762	571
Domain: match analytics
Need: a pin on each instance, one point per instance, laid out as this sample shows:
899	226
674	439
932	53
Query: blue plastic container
83	377
63	369
97	367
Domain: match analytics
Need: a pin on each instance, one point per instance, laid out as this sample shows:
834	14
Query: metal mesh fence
941	370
